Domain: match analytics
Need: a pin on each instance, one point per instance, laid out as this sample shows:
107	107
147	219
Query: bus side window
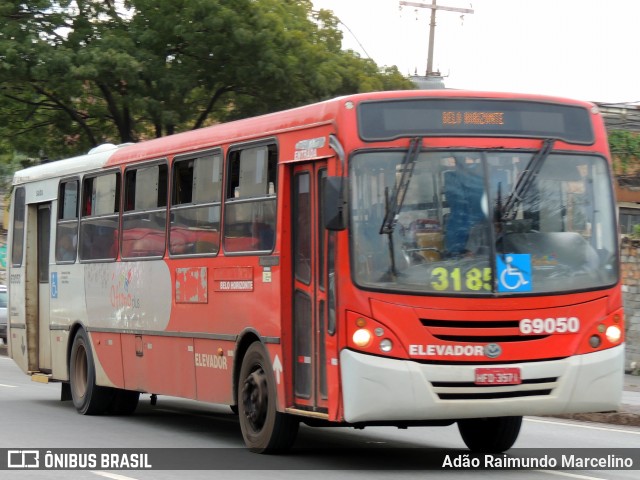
99	219
145	211
250	205
17	240
195	204
67	224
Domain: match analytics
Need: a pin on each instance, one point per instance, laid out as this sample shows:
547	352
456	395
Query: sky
582	49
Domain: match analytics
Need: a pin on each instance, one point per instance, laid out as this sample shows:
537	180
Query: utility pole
432	29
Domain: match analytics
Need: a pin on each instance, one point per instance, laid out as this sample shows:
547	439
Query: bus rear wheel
264	429
490	435
88	398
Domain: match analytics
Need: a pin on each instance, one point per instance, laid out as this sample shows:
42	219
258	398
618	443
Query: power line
351	32
354	36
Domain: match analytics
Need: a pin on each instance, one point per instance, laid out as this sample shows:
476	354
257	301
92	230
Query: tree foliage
625	150
74	74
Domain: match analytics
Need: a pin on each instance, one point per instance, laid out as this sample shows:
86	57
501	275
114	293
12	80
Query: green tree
74	74
625	150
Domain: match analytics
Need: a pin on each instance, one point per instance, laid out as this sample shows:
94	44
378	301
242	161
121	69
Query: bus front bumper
382	389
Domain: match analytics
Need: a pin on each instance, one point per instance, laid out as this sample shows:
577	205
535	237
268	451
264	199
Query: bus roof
316	114
95	159
231	132
301	117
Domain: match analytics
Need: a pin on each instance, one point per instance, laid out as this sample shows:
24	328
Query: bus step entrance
40	377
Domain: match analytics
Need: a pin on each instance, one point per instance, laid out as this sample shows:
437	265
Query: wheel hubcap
255	398
80	377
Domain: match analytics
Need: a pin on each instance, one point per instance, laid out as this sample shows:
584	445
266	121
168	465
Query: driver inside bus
464	192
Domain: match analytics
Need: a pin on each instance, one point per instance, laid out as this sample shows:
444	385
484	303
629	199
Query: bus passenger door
309	289
44	241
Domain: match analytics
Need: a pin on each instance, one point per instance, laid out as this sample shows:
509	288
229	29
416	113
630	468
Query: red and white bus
408	258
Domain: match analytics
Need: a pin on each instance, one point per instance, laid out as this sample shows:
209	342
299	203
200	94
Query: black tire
88	398
234	409
490	435
264	429
124	402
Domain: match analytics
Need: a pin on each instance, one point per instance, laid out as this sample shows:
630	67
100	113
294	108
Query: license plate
498	376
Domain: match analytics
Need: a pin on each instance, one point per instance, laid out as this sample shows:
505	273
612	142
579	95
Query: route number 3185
474	279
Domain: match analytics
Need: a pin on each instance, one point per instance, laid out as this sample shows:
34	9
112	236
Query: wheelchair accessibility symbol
514	272
54	284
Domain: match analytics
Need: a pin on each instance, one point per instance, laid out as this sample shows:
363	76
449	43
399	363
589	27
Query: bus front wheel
88	398
264	429
490	435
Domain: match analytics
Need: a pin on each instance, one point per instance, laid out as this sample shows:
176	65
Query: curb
628	415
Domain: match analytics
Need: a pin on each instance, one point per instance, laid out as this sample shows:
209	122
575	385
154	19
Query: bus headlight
386	345
373	336
613	333
362	337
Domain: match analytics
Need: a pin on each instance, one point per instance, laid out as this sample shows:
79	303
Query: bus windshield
468	224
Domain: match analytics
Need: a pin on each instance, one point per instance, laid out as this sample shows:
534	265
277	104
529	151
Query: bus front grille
471	391
469	331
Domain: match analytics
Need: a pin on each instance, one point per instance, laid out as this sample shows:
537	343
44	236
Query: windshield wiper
525	181
393	205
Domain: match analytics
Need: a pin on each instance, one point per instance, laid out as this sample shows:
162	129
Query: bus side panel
67	306
128	295
158	364
17	333
241	295
18	350
214	369
281	374
59	354
107	350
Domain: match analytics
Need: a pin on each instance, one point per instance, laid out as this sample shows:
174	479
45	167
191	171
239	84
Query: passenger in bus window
66	248
265	235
